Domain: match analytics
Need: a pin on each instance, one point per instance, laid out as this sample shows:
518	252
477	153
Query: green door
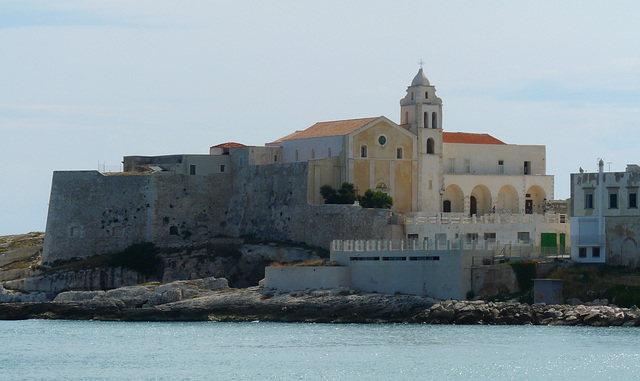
548	243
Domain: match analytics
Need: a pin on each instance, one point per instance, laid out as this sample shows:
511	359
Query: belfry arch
453	200
534	200
480	200
508	200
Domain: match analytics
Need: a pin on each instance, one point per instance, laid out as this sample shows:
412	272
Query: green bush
345	195
376	199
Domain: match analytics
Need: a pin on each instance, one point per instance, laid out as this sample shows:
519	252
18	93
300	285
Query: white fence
498	218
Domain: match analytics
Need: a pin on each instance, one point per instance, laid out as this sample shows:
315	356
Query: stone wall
91	213
622	244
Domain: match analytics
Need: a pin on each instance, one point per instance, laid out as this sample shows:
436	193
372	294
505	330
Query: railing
497	218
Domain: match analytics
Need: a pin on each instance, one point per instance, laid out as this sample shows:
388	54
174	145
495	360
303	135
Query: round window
382	140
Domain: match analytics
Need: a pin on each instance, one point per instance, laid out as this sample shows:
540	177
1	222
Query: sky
84	83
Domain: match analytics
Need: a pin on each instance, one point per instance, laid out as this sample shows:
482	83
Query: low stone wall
292	278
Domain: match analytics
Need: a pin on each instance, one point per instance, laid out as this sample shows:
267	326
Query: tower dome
420	79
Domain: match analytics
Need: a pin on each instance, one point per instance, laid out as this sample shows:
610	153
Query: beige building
422	167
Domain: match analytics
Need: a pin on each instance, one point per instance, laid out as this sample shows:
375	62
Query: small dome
420	79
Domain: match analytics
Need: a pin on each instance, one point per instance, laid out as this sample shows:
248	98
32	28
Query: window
382	140
613	199
426	120
223	168
472	237
582	252
467	165
192	169
399	153
430	146
411	95
313	153
588	200
633	199
452	165
329	152
173	230
275	159
296	155
527	168
363	151
434	120
523	237
490	237
426	95
595	252
501	167
406	117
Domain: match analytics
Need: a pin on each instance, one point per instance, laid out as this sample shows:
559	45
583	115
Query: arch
434	120
406	117
508	200
426	120
482	196
629	253
453	199
535	198
430	146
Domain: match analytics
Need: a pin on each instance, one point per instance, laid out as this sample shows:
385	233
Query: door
528	206
474	206
446	206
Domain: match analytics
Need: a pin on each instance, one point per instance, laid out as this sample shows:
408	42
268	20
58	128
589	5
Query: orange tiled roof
229	145
469	138
323	129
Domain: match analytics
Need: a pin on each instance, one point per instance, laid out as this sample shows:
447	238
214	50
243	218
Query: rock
76	296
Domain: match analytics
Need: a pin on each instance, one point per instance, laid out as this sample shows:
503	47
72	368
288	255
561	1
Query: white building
605	219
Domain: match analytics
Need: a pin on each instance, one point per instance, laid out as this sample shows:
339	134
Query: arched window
406	117
411	95
430	146
426	95
363	151
399	153
434	120
426	120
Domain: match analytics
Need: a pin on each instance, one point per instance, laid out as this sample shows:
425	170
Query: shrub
376	199
345	195
525	273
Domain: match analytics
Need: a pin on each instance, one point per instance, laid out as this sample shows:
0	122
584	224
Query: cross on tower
421	63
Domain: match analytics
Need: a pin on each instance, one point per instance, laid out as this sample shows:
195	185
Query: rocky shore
211	299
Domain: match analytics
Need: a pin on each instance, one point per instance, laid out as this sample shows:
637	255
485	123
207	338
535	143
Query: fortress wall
90	213
270	201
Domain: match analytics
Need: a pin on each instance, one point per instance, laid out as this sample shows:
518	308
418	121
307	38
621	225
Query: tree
345	195
376	199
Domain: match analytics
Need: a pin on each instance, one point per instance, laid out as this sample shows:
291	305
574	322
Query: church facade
423	167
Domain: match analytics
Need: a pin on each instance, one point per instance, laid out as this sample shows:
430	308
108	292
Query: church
423	167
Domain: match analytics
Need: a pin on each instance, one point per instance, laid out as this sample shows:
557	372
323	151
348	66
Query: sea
98	350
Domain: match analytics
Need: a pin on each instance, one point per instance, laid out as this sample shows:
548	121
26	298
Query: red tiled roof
469	138
323	129
229	145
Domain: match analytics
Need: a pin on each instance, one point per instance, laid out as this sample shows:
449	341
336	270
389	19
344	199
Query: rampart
91	213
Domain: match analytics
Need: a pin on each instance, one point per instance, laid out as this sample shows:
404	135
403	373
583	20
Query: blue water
91	350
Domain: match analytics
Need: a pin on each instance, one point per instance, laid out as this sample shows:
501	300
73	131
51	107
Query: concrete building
605	219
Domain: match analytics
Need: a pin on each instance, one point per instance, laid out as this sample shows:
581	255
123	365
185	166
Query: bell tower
421	113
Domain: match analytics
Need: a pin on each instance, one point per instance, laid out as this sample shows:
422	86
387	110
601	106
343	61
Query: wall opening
430	146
